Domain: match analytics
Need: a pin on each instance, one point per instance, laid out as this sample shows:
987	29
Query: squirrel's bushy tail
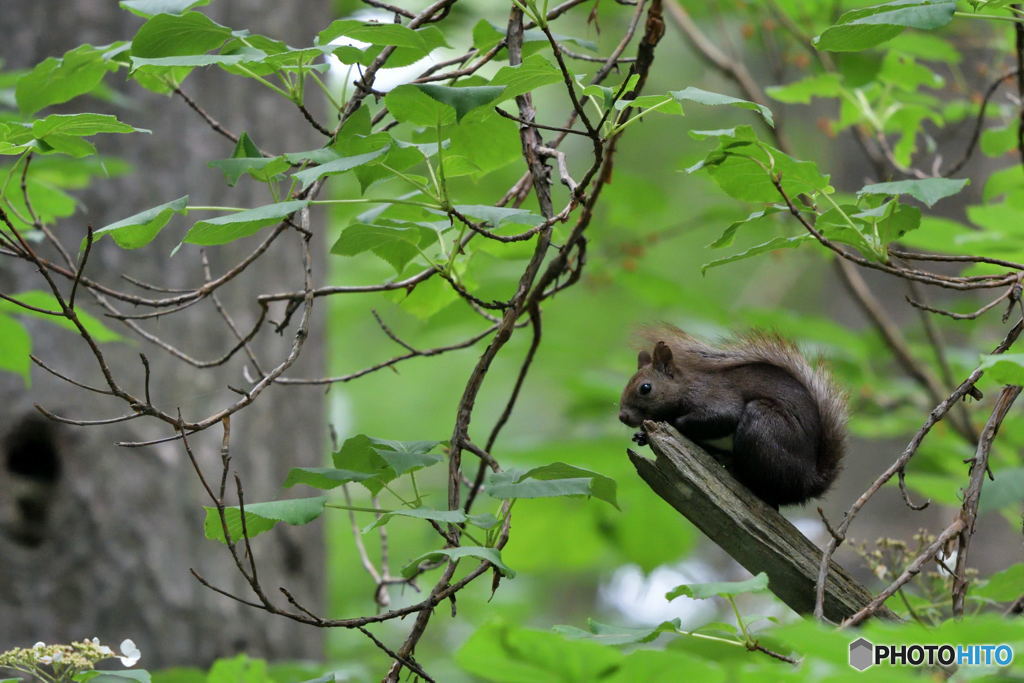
762	347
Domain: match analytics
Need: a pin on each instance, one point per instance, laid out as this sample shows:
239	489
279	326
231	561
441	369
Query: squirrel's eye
645	388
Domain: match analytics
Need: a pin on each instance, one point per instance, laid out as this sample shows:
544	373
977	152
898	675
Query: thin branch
972	495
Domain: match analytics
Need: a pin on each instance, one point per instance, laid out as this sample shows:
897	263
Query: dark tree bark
97	540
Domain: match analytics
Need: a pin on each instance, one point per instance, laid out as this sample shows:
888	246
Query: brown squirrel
787	419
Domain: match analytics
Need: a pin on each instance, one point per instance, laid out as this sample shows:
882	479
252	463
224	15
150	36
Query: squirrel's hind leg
775	458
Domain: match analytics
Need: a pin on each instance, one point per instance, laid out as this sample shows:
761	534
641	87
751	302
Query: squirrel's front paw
640	439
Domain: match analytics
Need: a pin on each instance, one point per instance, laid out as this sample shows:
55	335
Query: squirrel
786	418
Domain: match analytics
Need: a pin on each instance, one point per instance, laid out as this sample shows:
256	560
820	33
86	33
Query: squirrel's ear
663	358
643	359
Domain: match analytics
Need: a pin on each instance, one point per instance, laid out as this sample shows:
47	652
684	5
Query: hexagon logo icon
862	654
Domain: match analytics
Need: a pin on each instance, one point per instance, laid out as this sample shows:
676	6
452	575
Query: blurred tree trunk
97	540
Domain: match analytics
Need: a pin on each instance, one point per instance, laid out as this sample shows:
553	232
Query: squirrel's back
771	349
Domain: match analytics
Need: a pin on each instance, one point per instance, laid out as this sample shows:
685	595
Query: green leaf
370	461
534	72
54	80
147	8
1003	586
491	555
409	45
260	517
1007	490
926	190
485	521
15	347
554	480
139	230
725	239
898	222
71	145
395	35
311	175
263	169
860	29
770	245
466	155
618	635
1005	368
234	226
170	35
406	456
742	167
246	158
462	100
81	125
169	64
801	92
397	242
497	216
757	584
325	478
410	104
692	94
47	302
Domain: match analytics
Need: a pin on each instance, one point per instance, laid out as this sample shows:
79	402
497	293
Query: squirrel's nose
624	417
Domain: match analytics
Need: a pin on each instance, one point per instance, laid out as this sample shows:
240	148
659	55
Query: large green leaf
926	190
15	347
618	635
497	216
381	460
56	80
409	104
397	242
491	555
234	226
406	456
692	94
1003	586
169	64
743	167
247	159
534	72
409	45
140	229
860	29
260	517
1004	368
169	35
342	165
550	481
81	125
462	100
325	478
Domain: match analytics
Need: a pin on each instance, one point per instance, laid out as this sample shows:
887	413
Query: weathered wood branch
753	533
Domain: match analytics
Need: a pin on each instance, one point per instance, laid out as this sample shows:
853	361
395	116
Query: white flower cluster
64	661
